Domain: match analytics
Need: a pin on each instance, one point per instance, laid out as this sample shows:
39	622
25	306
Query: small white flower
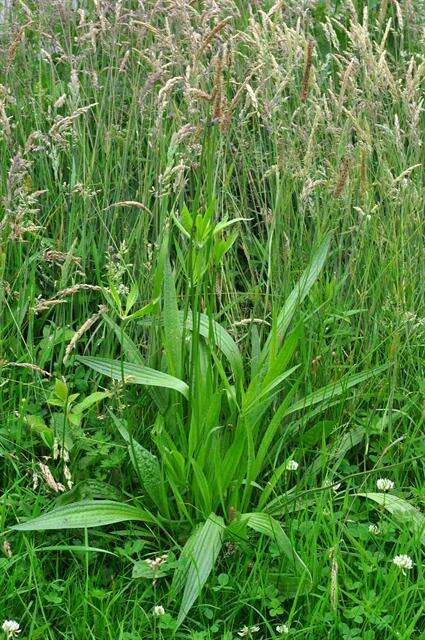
292	465
158	610
246	632
374	529
283	629
11	628
403	562
157	562
384	484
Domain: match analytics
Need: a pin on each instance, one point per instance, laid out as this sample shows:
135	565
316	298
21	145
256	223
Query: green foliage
127	372
80	515
211	317
196	562
403	512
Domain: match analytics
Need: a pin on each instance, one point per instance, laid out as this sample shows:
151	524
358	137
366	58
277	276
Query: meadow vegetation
212	319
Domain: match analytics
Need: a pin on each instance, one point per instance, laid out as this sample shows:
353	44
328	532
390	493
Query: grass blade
172	325
335	389
264	523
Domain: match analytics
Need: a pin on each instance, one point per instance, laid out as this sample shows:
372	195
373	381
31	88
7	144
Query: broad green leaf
143	311
50	340
290	586
319	431
37	424
228	223
223	246
92	399
90	489
131	299
197	561
145	464
264	523
85	514
135	373
61	390
113	297
63	430
269	435
404	512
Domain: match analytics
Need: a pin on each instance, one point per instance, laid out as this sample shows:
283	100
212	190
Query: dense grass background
297	119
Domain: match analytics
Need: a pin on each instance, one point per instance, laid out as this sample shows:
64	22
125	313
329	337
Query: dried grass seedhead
48	478
82	330
307	71
19	201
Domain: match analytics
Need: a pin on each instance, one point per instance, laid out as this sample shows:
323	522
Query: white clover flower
403	562
374	529
292	465
246	632
7	549
157	562
384	484
11	628
283	629
158	610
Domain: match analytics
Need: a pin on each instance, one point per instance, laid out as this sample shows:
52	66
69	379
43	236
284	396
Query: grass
169	171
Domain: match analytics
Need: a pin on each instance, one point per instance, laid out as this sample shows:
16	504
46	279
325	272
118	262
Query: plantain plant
217	431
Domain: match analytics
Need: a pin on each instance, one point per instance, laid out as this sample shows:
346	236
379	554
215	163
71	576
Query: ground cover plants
212	319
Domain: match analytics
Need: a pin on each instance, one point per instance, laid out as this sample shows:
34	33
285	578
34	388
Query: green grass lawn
212	320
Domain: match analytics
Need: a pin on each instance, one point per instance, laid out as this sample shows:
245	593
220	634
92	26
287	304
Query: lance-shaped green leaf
135	373
145	463
197	561
404	512
210	329
85	514
88	402
299	293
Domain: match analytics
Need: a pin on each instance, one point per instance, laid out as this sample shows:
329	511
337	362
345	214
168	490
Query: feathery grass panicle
214	32
86	326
